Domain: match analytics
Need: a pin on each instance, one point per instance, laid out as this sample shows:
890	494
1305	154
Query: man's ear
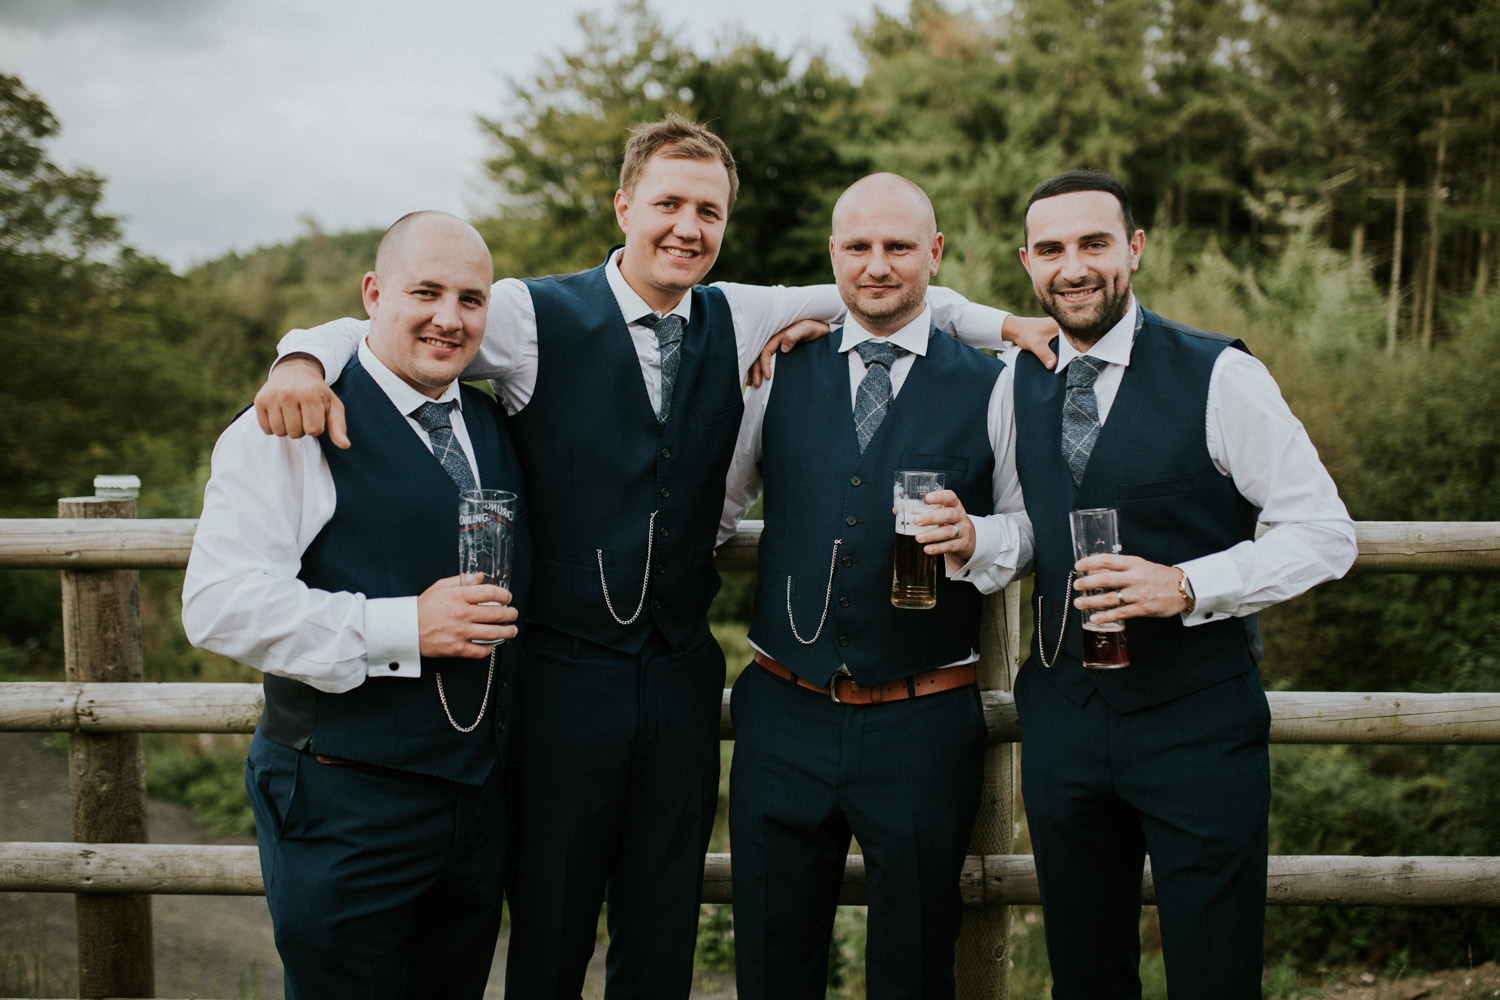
622	210
370	292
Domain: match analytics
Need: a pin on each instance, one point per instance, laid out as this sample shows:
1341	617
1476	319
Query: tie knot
434	415
1083	370
879	351
668	328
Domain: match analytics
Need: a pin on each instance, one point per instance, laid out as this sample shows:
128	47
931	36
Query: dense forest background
1319	177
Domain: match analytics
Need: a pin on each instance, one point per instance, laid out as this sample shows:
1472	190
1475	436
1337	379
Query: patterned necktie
669	338
1080	416
434	420
874	395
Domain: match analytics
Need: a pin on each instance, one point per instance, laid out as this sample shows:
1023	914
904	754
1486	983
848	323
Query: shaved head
889	189
397	239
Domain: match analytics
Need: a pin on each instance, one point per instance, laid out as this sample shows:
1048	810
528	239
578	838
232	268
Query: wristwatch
1186	590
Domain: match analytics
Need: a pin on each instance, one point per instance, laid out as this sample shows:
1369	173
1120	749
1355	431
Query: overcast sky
223	125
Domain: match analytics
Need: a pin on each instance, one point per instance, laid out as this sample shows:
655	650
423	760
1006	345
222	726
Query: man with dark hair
858	717
623	386
378	771
1188	437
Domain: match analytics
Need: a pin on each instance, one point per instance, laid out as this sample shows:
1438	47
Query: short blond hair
677	137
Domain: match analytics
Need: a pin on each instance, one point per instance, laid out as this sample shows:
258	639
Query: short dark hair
1083	180
675	136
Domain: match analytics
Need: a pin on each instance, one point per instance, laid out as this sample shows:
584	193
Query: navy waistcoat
1150	462
394	532
593	450
818	488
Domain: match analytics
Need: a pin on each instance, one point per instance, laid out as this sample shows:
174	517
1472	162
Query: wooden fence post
107	773
982	964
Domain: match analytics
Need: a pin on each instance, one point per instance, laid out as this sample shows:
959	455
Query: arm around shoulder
295	399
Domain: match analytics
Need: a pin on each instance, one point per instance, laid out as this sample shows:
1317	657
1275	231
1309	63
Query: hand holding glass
1097	531
914	578
485	538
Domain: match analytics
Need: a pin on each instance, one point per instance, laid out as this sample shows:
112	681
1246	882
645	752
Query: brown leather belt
845	691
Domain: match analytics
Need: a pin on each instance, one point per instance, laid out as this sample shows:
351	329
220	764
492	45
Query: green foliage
846	953
46	213
1281	982
31	624
207	775
560	146
104	348
715	938
1383	801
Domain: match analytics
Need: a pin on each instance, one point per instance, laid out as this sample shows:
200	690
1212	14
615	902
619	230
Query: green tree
560	143
46	212
1355	102
103	370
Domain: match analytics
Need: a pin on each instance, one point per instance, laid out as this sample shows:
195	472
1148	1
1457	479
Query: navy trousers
1187	781
381	884
618	759
904	779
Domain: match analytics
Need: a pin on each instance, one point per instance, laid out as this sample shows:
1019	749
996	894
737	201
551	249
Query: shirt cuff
330	373
392	640
1216	587
978	570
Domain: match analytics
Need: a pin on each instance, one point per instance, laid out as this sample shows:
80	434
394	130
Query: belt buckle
833	682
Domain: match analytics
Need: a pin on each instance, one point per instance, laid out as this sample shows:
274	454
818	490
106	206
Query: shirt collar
1112	348
401	395
912	336
632	306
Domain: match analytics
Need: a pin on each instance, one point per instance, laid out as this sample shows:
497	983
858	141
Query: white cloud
221	126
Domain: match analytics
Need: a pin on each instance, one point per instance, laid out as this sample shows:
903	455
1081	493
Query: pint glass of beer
914	581
485	537
1097	530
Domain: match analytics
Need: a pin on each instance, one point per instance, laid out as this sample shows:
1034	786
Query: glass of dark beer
914	579
485	538
1097	530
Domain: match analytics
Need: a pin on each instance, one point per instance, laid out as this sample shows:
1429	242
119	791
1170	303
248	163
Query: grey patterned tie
1080	416
669	338
874	395
434	420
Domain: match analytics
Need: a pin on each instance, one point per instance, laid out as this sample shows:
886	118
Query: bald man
856	717
378	771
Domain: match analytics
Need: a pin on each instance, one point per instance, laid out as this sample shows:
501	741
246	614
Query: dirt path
206	946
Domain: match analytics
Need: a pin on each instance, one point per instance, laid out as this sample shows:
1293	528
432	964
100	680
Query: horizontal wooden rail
163	543
1294	880
1428	546
52	706
89	543
1384	717
1296	716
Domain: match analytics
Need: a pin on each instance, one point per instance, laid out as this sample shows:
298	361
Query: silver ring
955	531
1120	595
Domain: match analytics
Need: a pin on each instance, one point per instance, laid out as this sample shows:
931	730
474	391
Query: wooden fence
105	707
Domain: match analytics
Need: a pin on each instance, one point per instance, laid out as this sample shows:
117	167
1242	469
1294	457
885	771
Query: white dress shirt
1305	535
267	499
508	355
1003	536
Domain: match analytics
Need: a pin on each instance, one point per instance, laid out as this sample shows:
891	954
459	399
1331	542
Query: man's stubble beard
1111	310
